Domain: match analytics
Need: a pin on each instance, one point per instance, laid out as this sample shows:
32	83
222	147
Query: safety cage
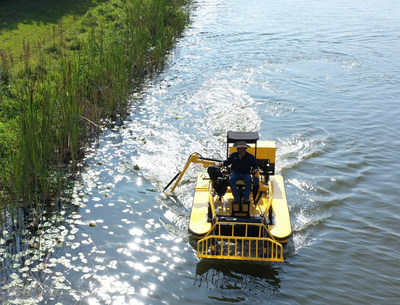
240	241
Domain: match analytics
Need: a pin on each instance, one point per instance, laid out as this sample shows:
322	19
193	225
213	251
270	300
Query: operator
243	163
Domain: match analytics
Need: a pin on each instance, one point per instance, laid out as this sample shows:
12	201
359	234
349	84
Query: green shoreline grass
34	20
54	94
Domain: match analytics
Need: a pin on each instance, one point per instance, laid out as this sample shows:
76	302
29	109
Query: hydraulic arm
194	158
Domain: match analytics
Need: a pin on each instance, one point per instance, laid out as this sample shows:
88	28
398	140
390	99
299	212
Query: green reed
65	88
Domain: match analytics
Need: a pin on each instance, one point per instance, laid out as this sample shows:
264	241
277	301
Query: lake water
321	78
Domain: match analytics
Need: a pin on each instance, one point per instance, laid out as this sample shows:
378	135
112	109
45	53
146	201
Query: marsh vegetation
66	69
56	90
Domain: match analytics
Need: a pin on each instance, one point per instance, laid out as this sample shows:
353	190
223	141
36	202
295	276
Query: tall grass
66	87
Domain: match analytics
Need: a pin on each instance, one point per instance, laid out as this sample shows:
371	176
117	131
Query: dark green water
319	77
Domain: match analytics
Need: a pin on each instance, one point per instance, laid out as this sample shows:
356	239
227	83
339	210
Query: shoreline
55	98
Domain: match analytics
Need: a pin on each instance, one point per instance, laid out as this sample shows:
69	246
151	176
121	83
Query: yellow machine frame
238	240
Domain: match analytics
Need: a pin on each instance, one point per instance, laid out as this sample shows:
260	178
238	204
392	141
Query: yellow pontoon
229	230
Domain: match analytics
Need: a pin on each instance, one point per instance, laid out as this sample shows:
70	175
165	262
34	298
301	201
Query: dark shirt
243	165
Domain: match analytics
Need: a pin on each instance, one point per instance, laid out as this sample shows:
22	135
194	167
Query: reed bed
53	100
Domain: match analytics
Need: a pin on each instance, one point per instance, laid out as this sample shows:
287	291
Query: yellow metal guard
240	241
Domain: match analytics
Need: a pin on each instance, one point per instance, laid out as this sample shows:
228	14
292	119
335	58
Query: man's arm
255	164
226	162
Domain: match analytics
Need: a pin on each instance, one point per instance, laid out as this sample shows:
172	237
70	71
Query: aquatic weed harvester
231	230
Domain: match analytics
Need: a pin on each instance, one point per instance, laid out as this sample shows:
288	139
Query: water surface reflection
239	281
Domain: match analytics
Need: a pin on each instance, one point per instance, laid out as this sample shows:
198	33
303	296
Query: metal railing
240	241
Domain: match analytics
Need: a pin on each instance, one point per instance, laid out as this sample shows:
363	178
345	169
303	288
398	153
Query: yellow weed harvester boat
229	230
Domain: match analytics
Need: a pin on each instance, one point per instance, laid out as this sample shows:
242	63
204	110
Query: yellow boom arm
194	158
